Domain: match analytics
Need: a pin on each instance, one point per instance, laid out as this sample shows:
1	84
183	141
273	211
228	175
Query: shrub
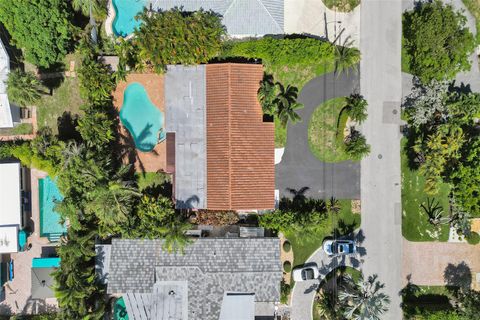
287	246
302	51
437	42
473	238
287	266
41	27
284	292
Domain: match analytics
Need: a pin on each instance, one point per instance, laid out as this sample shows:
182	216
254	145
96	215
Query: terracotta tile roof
240	146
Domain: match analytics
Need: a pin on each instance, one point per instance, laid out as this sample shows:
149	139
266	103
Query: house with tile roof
215	278
224	149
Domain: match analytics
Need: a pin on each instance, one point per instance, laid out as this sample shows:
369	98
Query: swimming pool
49	196
141	117
125	12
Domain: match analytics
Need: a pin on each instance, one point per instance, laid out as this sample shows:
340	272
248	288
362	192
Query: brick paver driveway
439	263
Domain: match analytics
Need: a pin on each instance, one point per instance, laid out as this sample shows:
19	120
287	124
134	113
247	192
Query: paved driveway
381	85
299	168
440	263
303	293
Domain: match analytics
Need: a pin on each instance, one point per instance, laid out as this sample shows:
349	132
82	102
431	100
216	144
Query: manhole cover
380	156
394	111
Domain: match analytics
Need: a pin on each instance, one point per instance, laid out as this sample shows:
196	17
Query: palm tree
357	108
174	236
434	211
333	205
266	94
356	145
23	87
346	57
363	300
98	7
286	104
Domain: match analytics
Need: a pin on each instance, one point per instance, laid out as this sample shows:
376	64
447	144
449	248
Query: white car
305	273
339	247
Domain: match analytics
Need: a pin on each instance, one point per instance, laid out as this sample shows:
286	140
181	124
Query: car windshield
307	274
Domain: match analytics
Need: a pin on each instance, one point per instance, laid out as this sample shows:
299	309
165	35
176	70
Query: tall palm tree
333	205
98	7
23	87
266	94
346	57
286	101
363	300
357	108
174	237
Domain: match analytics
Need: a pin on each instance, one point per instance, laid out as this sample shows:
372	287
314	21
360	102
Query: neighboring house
9	115
215	278
224	150
11	206
242	18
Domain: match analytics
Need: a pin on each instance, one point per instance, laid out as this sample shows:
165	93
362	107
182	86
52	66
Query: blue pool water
49	196
141	117
125	12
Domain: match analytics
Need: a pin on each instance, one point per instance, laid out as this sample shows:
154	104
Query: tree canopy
436	41
177	37
41	28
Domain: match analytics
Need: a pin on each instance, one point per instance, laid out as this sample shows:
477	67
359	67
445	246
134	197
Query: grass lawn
325	131
280	133
415	225
405	59
22	128
304	245
65	98
342	5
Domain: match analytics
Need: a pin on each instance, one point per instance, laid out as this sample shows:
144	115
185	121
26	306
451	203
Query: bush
287	246
284	292
302	51
41	27
287	266
436	41
473	238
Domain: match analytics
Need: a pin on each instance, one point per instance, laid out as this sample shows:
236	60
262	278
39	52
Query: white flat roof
9	239
6	120
10	202
238	306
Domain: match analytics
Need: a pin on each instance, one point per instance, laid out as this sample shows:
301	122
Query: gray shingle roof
241	17
211	267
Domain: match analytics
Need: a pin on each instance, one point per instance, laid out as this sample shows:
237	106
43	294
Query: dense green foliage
445	144
356	145
41	27
176	37
437	43
357	108
98	8
23	87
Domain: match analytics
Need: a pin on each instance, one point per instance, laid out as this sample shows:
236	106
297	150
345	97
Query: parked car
307	272
339	247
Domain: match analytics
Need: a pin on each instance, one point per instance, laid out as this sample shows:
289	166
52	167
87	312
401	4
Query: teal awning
45	262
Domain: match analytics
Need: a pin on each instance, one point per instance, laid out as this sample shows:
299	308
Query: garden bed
415	225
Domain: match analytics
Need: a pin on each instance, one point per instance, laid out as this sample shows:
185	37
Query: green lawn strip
304	245
323	139
405	58
280	134
22	128
415	225
341	5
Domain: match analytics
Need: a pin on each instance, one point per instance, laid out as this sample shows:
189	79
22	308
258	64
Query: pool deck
155	160
17	292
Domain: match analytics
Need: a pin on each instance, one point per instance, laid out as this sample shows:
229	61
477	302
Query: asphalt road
299	168
381	85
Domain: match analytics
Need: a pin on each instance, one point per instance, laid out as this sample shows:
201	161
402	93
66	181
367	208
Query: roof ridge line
229	134
261	3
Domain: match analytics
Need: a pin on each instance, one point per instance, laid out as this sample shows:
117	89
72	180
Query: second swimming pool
125	12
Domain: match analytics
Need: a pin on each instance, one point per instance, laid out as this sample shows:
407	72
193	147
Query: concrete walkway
299	168
381	85
440	263
314	18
